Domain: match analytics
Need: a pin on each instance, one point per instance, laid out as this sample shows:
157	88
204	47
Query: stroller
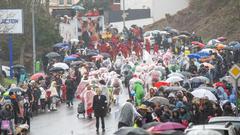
81	109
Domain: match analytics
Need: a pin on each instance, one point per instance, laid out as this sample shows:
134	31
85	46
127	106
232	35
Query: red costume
148	46
155	48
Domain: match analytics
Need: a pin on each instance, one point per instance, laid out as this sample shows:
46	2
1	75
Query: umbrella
200	79
150	124
185	33
131	131
15	90
78	7
236	46
74	40
221	39
163	33
174	79
105	55
207	50
74	55
173	31
203	93
210	66
69	58
232	43
167	126
183	36
160	84
18	66
194	56
200	45
61	65
213	42
213	90
186	74
203	132
36	76
98	57
76	63
61	45
176	74
53	55
172	132
174	88
159	100
56	69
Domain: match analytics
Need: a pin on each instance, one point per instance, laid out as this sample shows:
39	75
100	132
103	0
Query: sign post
235	73
11	22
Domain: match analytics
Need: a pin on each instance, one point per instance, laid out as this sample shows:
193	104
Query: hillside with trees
208	18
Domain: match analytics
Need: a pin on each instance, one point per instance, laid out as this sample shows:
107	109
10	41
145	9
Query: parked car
6	71
226	129
224	119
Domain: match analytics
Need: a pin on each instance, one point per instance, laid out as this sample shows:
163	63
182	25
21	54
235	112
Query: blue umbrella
236	46
69	58
194	55
203	54
61	45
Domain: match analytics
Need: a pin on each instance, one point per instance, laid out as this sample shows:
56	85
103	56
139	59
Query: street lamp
33	36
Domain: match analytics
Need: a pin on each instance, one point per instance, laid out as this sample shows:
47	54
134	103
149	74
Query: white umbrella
61	65
176	75
203	93
174	79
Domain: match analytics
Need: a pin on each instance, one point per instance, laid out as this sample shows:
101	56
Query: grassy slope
209	18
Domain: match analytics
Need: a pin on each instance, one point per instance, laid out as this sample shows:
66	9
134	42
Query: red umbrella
160	84
167	126
201	45
36	76
221	39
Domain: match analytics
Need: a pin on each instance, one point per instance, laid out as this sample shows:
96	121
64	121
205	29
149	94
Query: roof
133	14
224	119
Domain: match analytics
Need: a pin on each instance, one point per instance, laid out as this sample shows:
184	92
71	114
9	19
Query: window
61	2
116	1
69	2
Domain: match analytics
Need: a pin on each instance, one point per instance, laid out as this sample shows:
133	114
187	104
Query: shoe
97	131
103	130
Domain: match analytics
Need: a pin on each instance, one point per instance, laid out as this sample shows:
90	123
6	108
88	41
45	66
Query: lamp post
124	15
33	35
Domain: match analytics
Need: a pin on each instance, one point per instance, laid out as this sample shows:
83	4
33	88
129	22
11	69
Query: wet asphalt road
64	121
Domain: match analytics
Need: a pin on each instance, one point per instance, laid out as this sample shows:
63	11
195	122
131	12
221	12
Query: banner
11	21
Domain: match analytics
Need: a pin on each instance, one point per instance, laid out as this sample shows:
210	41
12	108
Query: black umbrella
105	55
151	124
53	55
56	69
185	33
174	88
173	32
232	43
77	63
18	66
131	131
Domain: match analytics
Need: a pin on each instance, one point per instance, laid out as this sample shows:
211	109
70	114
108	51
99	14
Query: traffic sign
235	71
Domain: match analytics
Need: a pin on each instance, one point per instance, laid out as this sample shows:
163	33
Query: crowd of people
181	80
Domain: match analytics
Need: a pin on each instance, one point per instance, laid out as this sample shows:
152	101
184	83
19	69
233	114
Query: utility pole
124	15
33	35
0	58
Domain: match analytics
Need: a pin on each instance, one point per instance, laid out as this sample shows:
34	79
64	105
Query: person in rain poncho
87	97
139	93
53	95
127	115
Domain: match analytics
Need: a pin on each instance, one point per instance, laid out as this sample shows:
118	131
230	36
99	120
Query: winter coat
70	89
99	105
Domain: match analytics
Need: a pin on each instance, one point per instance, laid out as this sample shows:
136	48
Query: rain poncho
127	114
87	96
139	90
53	89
